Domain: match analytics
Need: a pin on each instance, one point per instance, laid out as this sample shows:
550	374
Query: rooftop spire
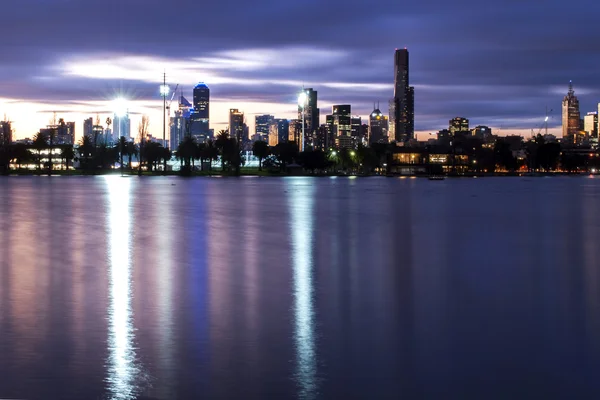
571	91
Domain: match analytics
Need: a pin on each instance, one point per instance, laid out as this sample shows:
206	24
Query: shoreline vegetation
465	156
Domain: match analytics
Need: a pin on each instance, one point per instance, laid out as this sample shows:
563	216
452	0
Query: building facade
88	127
262	126
340	126
590	124
311	117
237	125
200	115
458	125
378	127
570	116
402	106
121	127
180	123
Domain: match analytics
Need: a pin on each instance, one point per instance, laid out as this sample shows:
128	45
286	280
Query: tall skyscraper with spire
570	115
402	106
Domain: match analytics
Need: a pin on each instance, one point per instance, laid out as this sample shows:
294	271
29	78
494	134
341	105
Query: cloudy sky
498	63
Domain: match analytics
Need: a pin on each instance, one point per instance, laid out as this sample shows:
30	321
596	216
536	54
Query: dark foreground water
377	288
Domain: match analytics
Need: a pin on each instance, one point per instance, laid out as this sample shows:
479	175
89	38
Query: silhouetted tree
39	144
260	150
186	151
220	143
285	153
67	154
86	149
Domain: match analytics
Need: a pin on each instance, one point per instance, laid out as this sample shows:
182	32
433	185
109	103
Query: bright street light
164	90
333	153
352	153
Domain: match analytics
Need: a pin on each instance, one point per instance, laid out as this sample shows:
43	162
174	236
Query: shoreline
256	173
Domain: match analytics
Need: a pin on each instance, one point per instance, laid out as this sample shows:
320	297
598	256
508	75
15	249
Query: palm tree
212	153
39	144
221	143
131	150
200	153
186	151
260	150
67	153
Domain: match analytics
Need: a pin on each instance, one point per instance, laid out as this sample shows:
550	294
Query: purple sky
497	63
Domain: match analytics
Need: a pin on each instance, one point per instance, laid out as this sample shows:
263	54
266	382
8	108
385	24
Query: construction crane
170	101
544	125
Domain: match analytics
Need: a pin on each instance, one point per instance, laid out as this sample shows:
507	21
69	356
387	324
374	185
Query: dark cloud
490	61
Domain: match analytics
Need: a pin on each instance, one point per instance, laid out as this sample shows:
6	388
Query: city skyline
491	78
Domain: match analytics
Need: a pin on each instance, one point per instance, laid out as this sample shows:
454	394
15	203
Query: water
376	288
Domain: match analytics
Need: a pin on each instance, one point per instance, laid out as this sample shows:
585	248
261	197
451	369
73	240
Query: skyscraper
570	115
180	123
236	125
378	127
402	106
340	126
200	115
311	116
590	124
88	127
121	127
459	125
283	128
261	126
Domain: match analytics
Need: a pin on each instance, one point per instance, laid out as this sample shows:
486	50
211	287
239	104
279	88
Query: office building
378	127
402	108
295	131
5	133
262	124
459	125
237	125
570	116
283	128
180	123
356	130
340	127
88	127
273	139
482	132
311	117
200	115
121	127
590	124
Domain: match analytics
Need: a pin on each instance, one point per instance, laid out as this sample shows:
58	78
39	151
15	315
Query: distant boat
436	177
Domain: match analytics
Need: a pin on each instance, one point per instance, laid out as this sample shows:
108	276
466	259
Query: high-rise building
200	115
236	125
378	127
5	133
590	124
570	115
311	117
295	131
402	109
283	128
459	125
262	124
481	132
180	123
65	132
340	126
356	130
97	135
121	127
88	127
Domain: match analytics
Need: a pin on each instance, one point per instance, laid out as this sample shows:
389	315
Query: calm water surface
165	288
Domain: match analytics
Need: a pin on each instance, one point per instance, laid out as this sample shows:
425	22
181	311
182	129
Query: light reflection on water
122	369
300	202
